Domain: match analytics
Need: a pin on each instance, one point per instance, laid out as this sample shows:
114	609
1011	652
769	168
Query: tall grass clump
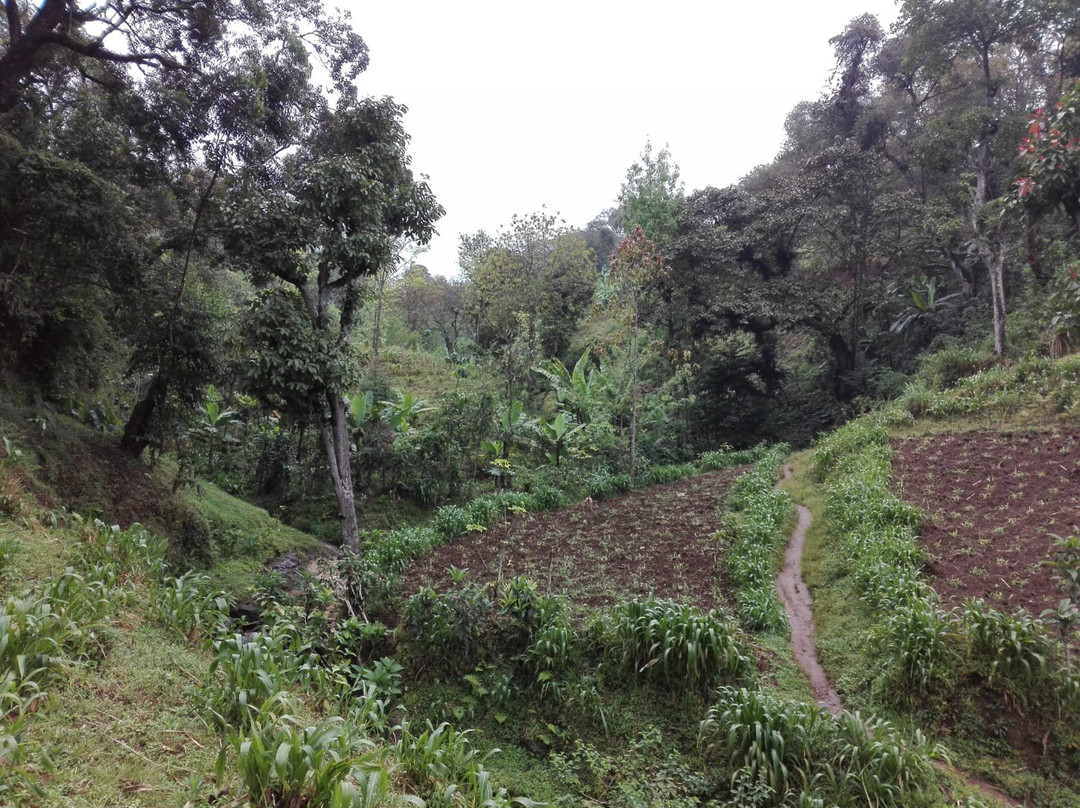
789	753
757	515
680	644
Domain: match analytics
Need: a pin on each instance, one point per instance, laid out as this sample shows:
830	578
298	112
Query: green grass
128	731
245	537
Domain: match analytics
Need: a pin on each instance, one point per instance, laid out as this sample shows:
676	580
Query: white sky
515	105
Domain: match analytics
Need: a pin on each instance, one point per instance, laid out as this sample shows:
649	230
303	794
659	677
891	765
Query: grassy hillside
942	526
128	686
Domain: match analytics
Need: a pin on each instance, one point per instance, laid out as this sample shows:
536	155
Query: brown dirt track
992	500
655	540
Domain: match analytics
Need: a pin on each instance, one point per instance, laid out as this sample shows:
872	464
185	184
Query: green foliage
729	458
243	677
800	753
680	644
755	526
1011	650
448	770
914	641
282	761
188	607
451	630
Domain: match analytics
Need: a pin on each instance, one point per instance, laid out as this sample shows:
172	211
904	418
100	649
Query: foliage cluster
755	523
791	753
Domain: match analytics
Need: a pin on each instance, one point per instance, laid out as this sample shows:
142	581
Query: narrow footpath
798	602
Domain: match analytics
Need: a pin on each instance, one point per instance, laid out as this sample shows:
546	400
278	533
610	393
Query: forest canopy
199	206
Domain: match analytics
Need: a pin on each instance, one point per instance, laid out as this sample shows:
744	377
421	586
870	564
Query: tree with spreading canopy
329	217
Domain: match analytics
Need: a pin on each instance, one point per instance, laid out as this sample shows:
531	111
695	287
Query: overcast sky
516	105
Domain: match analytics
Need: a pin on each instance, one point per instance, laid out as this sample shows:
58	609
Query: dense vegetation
239	416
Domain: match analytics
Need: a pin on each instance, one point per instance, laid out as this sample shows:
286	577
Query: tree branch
11	8
97	50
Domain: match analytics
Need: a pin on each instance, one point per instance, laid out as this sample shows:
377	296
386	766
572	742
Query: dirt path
798	602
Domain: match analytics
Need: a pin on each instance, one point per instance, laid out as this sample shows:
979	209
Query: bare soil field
657	540
992	500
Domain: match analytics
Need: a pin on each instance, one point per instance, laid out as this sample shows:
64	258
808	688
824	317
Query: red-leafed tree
636	265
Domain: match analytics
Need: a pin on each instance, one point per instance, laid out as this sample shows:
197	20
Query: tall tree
651	196
635	267
327	219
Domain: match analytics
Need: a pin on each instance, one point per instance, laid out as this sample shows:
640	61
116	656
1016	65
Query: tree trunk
335	437
994	257
1037	268
633	396
136	435
376	327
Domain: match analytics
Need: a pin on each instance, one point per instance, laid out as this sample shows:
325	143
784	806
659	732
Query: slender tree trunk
376	329
335	436
633	394
993	256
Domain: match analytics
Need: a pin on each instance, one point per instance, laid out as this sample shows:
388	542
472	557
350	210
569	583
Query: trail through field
798	602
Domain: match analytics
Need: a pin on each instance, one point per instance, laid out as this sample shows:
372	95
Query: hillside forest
328	525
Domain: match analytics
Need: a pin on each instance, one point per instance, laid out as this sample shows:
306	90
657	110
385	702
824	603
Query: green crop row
921	641
757	514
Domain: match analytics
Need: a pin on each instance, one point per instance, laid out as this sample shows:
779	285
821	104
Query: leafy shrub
603	484
680	643
546	498
449	522
946	367
451	630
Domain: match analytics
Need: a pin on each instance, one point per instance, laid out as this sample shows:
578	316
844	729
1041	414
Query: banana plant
213	426
362	411
401	414
579	390
513	426
556	433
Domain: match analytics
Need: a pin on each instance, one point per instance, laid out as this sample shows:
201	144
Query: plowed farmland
657	540
992	502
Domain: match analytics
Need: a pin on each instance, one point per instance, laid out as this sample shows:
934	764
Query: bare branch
11	8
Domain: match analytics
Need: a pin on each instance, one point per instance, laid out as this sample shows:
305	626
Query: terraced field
657	540
994	501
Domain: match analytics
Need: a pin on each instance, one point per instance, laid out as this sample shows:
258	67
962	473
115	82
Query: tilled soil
992	501
658	540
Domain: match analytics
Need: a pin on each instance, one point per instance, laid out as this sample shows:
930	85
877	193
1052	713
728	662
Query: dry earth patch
657	540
